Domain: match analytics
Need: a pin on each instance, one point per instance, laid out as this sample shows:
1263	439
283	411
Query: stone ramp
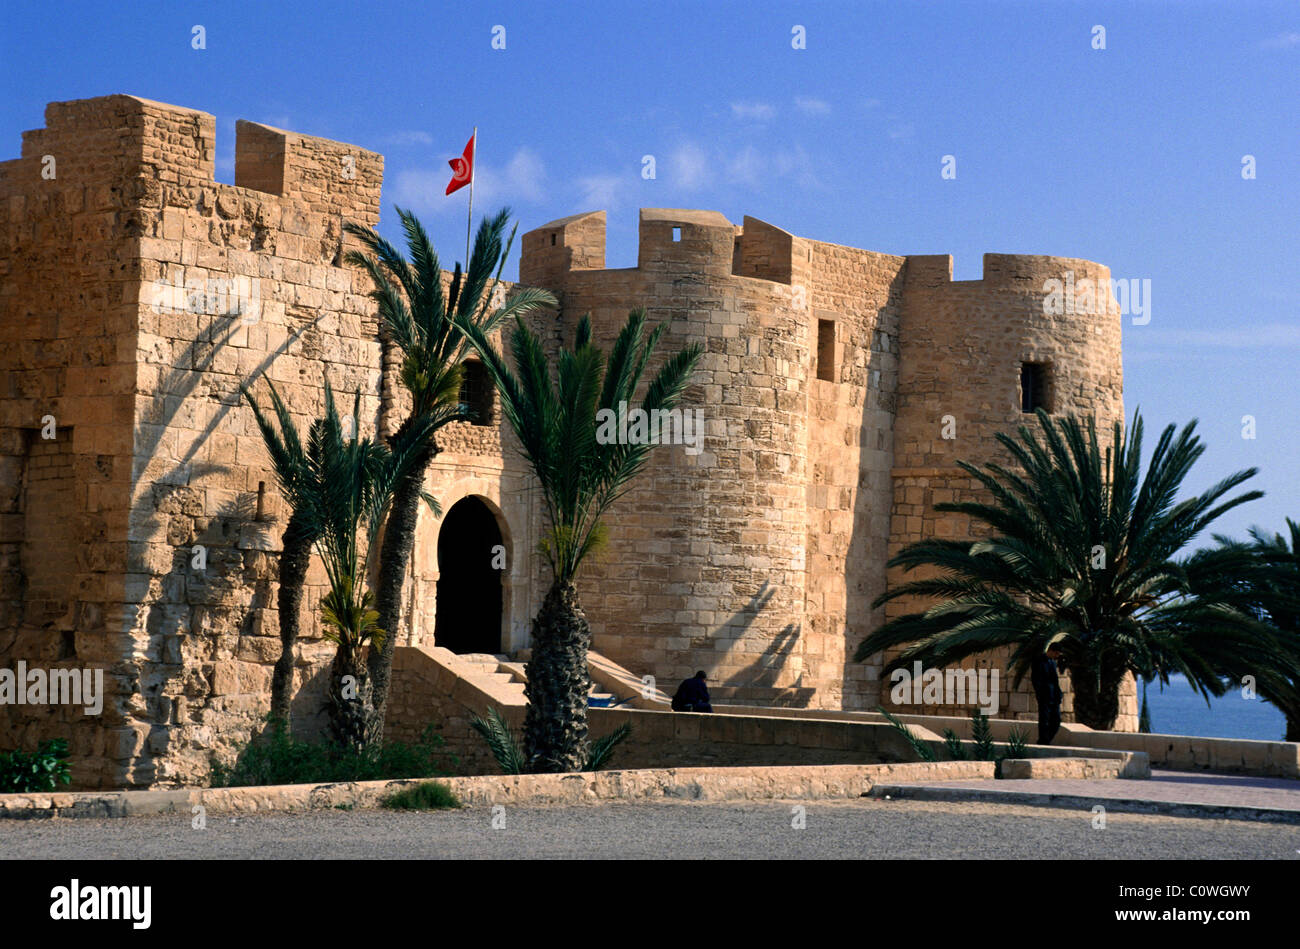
435	688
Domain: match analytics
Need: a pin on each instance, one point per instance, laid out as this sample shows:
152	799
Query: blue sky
1130	156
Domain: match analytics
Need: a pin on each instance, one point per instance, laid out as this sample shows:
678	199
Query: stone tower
828	378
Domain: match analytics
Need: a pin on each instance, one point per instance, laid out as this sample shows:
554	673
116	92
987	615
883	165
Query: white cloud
1282	41
602	192
809	105
689	167
757	111
755	169
411	137
747	168
523	179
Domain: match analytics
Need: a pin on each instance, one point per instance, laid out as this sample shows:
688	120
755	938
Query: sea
1178	710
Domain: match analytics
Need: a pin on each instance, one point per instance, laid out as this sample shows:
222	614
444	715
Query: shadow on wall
866	576
183	609
757	681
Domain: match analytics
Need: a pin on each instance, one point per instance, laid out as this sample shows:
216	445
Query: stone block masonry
139	519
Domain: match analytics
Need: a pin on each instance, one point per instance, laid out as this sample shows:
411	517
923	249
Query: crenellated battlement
1022	273
113	137
705	243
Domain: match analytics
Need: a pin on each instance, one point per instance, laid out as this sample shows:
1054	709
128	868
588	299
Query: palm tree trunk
295	558
394	555
1293	727
351	710
555	723
1096	696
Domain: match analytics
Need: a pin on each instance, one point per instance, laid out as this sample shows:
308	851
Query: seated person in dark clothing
693	695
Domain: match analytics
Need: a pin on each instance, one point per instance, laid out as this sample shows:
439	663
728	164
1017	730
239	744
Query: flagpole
473	170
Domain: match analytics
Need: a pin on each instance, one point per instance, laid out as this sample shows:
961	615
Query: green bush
1017	742
500	740
425	796
953	743
510	756
278	758
44	770
982	734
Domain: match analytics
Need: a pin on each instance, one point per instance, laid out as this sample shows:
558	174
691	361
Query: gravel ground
863	829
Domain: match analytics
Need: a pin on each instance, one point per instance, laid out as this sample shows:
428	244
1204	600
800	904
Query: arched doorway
470	561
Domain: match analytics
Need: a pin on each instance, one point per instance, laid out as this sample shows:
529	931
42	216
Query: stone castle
139	520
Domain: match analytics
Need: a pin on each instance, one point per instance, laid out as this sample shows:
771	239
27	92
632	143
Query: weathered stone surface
137	294
697	784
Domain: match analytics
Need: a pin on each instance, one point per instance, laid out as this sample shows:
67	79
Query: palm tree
420	318
580	476
352	481
289	462
1082	554
1270	590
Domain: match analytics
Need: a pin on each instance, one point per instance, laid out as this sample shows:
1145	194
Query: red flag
462	167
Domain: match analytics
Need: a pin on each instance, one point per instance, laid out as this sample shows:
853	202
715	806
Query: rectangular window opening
1033	387
677	235
826	350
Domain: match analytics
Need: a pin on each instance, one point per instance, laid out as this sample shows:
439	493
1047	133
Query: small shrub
279	758
1017	742
982	734
602	749
500	740
42	770
425	796
510	756
954	745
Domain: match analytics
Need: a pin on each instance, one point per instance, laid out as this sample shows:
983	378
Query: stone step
481	659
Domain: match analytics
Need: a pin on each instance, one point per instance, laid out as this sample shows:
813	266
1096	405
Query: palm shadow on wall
184	601
766	669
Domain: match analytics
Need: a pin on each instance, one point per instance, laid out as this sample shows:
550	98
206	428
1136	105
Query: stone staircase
505	677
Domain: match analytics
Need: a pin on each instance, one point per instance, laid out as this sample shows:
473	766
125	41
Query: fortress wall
170	290
962	345
705	566
850	448
68	286
239	286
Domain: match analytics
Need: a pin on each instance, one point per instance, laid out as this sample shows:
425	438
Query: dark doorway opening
471	556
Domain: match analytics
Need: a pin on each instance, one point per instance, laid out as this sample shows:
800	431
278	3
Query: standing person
1047	690
693	695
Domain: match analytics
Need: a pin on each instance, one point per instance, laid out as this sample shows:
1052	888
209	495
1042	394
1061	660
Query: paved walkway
1172	788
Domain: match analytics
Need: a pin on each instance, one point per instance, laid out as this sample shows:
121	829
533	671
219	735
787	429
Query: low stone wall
1174	752
694	784
1061	768
1280	759
426	690
691	739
